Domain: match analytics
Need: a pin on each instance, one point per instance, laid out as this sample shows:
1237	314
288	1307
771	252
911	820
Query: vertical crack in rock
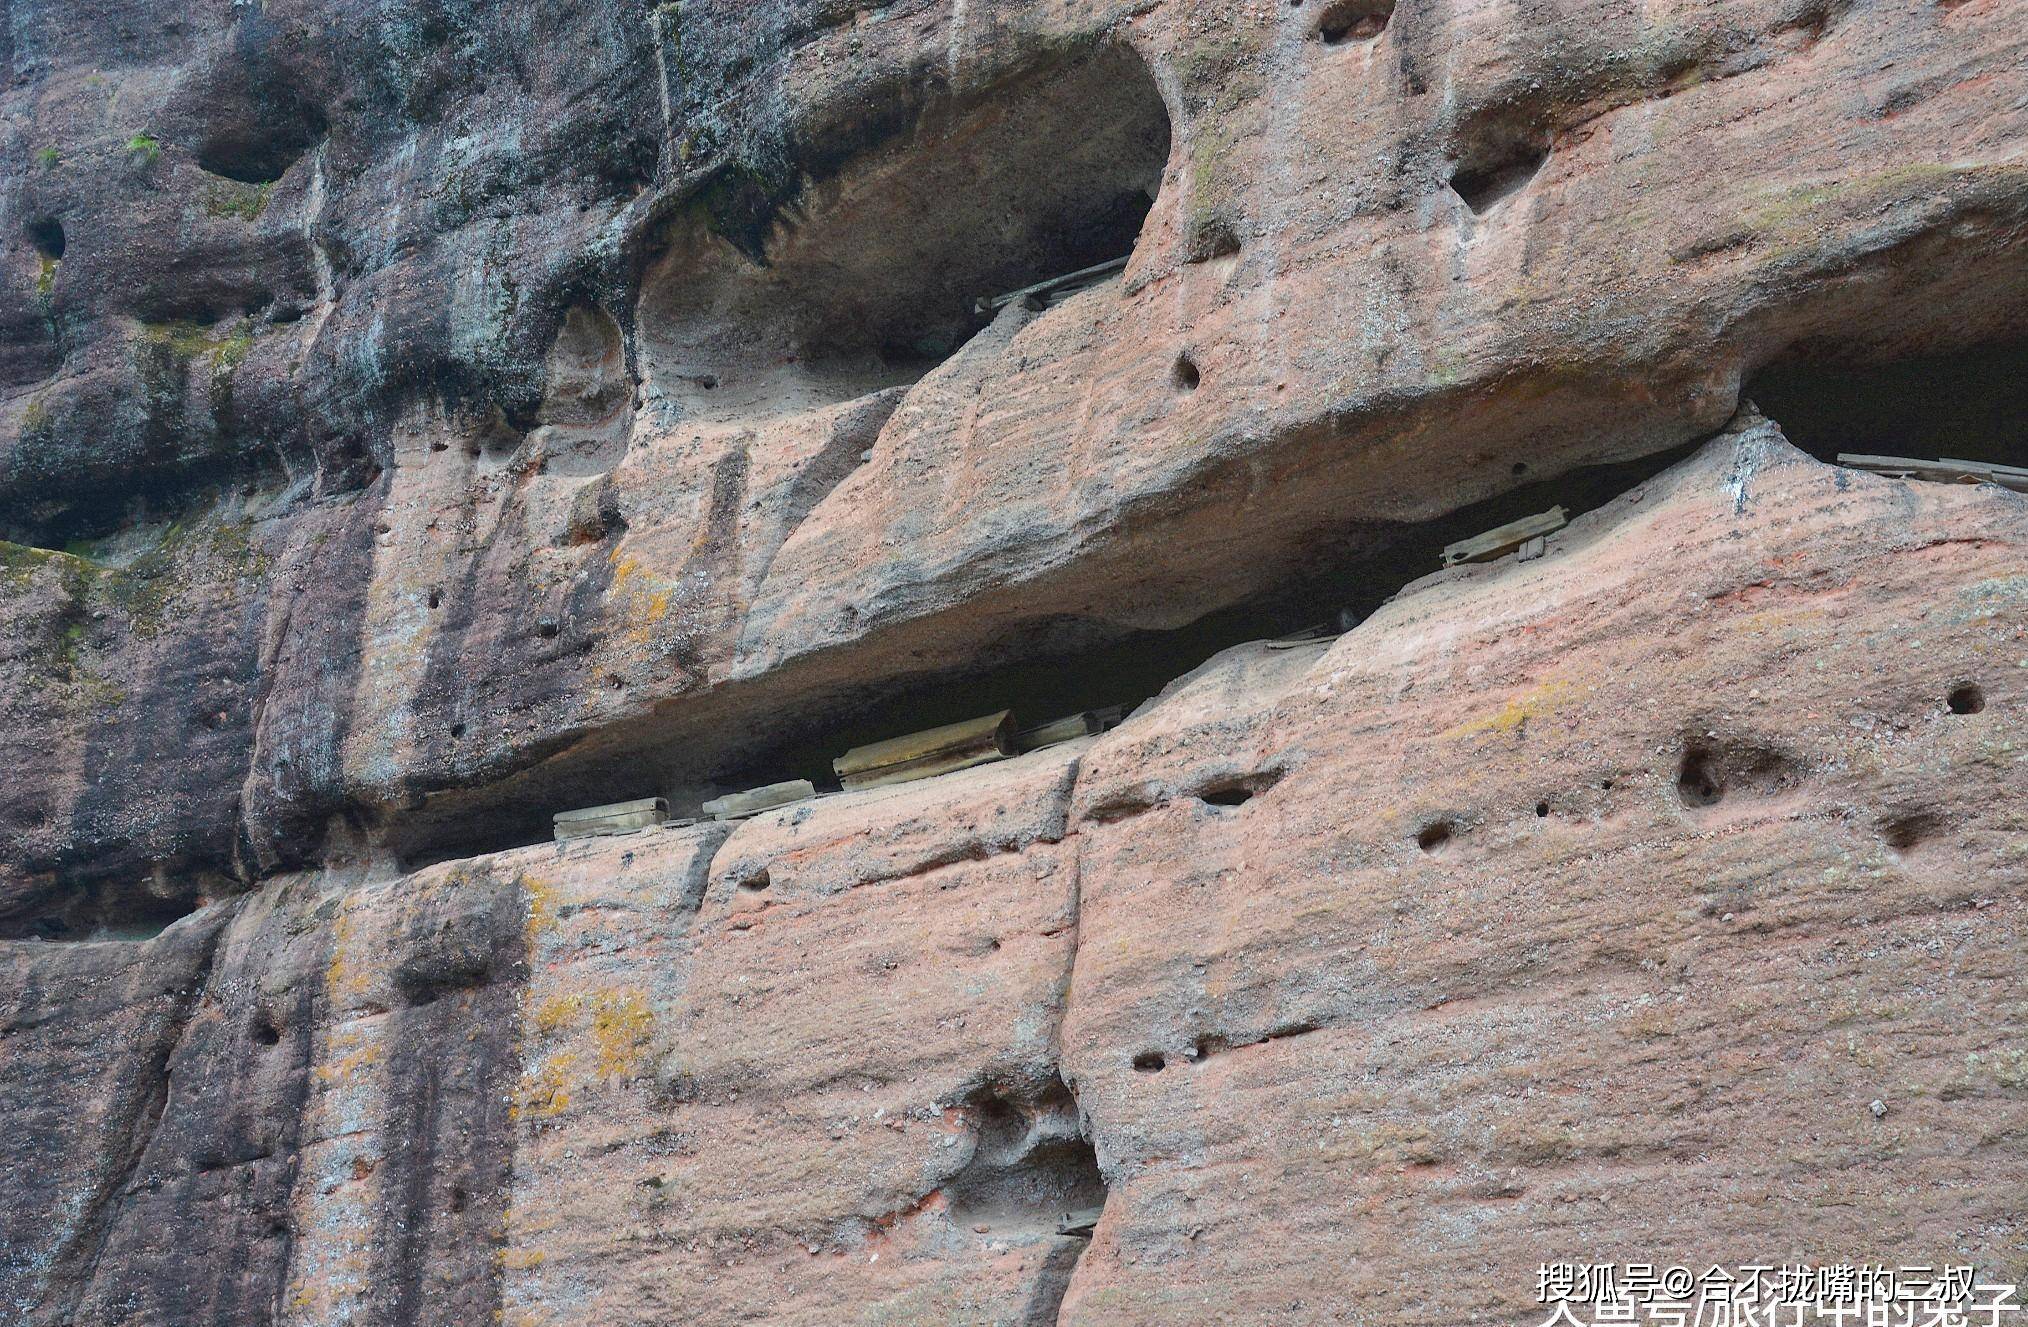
853	433
76	1263
451	1078
1045	1307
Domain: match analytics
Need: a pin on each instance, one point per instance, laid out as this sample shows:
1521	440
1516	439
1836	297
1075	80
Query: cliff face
413	424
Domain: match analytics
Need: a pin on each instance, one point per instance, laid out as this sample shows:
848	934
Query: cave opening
46	234
1496	169
1969	405
1047	671
883	268
1032	1171
114	911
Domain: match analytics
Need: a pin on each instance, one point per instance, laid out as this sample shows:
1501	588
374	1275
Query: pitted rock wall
372	474
1579	907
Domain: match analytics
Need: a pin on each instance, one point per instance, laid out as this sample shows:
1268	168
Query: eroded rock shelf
419	420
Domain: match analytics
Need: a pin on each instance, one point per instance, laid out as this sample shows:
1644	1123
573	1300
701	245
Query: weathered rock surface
1577	907
414	420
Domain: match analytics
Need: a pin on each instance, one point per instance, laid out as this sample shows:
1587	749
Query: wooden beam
1505	539
614	818
1943	471
1069	729
1084	276
923	755
743	805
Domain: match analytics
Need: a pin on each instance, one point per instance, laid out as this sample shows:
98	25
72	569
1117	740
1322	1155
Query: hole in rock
1697	783
1353	20
864	267
1213	237
1052	668
1969	405
547	628
1541	809
757	882
265	1032
457	730
1239	791
1435	839
258	135
1966	699
1709	773
1498	165
1185	374
1905	832
1149	1062
47	237
436	598
1032	1171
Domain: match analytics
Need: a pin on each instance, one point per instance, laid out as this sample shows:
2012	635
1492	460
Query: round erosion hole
436	598
1966	699
457	730
1542	808
1149	1062
1520	468
757	882
1185	374
1697	782
1433	838
1353	20
266	1033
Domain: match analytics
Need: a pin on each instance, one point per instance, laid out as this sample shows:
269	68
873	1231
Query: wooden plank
1080	1224
614	809
1070	728
923	755
2006	476
616	818
740	806
1084	276
1502	540
1947	470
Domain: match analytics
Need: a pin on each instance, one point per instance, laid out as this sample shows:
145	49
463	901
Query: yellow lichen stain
1515	714
621	1026
619	1023
541	896
346	1066
522	1260
556	1011
640	599
341	976
546	1094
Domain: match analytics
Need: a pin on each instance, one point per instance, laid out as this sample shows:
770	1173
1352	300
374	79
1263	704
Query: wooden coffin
923	755
739	806
617	818
1505	539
